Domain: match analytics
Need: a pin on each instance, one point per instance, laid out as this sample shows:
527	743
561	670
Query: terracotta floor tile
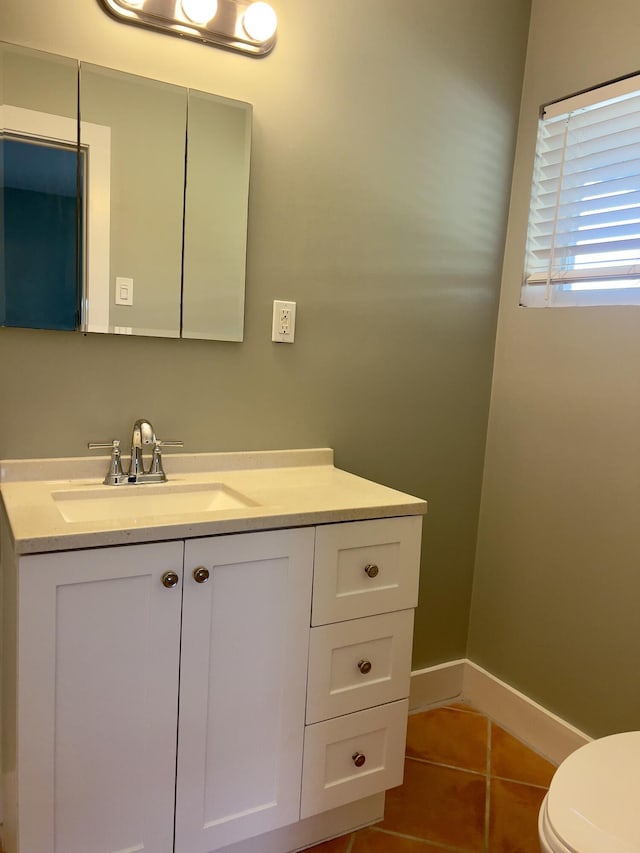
336	845
513	825
449	736
511	759
438	804
374	841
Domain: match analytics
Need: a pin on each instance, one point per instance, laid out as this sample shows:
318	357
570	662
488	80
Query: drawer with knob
365	567
358	663
353	756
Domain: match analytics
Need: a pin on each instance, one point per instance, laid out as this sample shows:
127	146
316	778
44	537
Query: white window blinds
583	241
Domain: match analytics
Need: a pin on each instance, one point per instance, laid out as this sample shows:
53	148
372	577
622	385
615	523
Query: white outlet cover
283	324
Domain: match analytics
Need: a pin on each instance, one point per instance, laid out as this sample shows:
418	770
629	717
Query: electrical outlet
283	325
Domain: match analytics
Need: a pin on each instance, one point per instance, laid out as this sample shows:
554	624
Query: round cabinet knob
364	666
170	579
358	759
200	575
371	570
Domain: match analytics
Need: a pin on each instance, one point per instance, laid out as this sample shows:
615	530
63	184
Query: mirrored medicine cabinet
123	203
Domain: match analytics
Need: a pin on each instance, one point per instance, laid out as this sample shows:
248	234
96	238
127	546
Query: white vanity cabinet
105	679
243	692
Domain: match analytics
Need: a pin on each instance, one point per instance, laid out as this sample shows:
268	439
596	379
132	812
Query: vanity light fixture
241	25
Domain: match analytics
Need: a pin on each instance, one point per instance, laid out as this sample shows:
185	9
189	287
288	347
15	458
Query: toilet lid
593	804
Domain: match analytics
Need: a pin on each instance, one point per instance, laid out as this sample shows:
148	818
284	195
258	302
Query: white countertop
286	488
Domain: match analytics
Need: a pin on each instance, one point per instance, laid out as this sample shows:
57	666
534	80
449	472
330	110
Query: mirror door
215	221
145	122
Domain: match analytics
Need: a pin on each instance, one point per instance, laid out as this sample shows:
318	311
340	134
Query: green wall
382	155
557	583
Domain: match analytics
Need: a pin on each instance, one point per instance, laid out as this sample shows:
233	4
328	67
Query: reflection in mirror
39	172
146	123
39	215
215	222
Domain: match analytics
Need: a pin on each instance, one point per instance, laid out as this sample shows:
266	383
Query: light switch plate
124	291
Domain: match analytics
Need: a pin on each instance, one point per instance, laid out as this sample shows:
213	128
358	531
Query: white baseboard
463	680
436	684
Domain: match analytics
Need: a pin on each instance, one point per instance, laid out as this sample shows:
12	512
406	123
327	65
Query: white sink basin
108	503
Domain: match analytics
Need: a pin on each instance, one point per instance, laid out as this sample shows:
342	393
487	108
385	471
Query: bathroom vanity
219	662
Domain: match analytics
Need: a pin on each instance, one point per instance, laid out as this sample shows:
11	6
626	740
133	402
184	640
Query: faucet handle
115	474
156	459
114	444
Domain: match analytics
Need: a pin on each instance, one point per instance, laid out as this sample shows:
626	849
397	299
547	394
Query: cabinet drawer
366	567
330	775
359	663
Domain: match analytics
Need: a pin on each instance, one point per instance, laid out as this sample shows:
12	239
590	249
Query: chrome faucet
142	436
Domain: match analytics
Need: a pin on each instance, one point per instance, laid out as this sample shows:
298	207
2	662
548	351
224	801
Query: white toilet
593	803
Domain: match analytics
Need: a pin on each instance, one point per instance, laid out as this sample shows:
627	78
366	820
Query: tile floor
469	787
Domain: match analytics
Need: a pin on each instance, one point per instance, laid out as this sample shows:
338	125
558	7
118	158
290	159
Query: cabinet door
245	636
99	639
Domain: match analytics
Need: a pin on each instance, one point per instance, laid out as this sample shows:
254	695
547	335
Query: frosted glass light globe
199	11
260	21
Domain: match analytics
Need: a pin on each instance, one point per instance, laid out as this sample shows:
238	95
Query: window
583	240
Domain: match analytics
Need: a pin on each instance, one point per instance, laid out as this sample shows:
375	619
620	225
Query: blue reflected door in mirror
40	235
39	199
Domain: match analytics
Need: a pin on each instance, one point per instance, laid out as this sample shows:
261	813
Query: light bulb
199	11
260	21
